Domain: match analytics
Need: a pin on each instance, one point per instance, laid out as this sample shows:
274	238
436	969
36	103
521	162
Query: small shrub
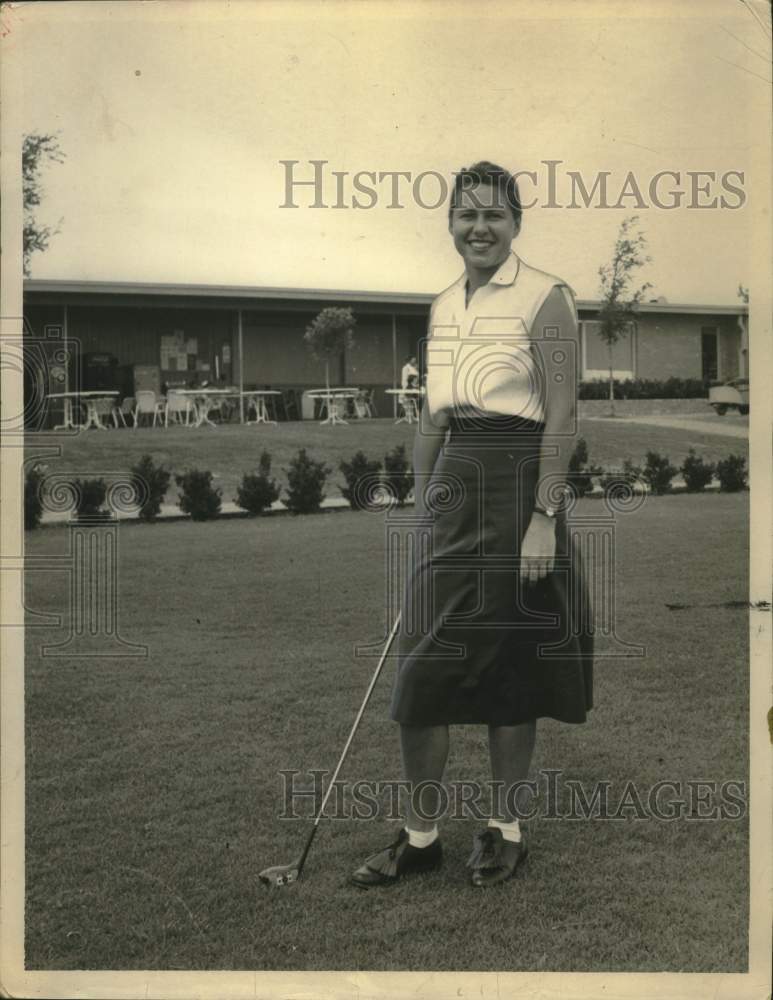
658	472
731	472
305	479
91	495
580	473
155	480
612	480
354	472
198	498
257	491
33	504
697	473
398	478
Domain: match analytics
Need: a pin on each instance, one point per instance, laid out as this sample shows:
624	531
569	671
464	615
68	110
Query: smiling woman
484	217
495	619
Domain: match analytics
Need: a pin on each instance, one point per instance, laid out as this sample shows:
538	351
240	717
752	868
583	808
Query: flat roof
48	287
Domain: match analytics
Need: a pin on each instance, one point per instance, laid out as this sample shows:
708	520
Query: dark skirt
475	645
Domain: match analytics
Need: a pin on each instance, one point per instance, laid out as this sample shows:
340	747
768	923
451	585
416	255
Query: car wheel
720	409
743	410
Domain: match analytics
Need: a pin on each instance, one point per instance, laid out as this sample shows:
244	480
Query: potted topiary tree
329	333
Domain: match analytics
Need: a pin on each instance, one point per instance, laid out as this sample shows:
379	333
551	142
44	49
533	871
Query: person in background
409	371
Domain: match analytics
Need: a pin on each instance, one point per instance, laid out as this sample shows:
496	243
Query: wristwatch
552	512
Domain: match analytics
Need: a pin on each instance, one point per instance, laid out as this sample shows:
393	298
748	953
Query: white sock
417	838
510	831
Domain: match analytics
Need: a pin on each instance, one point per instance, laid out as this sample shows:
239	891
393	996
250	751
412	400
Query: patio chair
147	404
289	403
410	408
103	409
370	401
120	413
361	408
270	403
227	409
176	407
206	405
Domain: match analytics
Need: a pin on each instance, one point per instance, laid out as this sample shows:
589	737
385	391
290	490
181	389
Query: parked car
732	394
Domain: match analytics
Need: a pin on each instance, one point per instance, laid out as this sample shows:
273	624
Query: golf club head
280	875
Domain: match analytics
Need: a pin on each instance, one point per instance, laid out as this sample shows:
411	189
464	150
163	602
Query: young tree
743	326
36	149
618	302
329	333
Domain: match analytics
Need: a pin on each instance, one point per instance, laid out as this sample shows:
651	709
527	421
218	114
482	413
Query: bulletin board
178	352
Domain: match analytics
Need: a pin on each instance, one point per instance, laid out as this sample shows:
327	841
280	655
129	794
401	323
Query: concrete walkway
171	512
727	426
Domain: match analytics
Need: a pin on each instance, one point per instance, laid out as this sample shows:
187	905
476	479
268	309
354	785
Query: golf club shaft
348	743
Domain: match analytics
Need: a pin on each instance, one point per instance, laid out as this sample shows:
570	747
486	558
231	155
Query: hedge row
364	478
256	493
642	388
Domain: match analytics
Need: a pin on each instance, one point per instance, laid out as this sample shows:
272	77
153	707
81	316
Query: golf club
281	875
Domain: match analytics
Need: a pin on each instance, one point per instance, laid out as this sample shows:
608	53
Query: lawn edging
330	505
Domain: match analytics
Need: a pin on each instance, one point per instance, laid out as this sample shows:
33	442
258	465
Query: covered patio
246	342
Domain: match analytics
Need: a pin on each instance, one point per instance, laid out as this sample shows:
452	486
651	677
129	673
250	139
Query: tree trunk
611	384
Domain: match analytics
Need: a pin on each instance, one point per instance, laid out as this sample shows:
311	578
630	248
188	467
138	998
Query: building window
595	352
709	353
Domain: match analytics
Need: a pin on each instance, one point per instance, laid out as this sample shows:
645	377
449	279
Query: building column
394	364
66	350
240	353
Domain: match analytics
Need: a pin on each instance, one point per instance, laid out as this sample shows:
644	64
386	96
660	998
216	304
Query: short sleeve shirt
479	356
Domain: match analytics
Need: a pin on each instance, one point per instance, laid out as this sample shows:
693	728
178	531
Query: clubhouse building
145	334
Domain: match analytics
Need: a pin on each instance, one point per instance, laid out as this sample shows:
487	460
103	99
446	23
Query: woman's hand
538	549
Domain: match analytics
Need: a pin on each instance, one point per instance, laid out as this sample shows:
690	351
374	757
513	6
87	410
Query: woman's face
482	227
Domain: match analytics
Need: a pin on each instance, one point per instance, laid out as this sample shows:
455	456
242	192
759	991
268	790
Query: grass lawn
153	792
230	450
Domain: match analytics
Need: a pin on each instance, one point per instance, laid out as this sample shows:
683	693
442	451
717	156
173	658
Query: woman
500	580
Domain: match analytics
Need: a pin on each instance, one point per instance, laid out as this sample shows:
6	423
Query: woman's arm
558	353
556	343
426	448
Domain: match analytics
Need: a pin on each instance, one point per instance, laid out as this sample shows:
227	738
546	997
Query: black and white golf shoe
398	859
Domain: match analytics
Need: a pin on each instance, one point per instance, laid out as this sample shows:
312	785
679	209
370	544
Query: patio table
411	410
202	399
90	398
255	399
334	397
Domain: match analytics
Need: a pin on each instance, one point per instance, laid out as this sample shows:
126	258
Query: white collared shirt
479	356
408	370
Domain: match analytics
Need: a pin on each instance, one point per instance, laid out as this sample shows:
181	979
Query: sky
176	119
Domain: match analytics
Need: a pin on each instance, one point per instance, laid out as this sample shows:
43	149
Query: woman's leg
425	751
511	749
495	858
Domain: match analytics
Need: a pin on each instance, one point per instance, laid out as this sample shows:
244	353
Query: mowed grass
154	794
231	450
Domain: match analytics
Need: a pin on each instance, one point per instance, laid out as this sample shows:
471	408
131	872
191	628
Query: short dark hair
484	172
